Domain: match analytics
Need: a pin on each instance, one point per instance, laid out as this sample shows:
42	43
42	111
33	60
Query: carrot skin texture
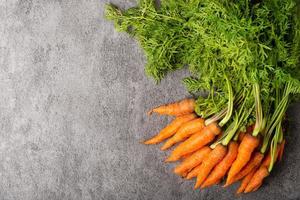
257	187
253	163
171	129
186	156
241	136
194	172
213	158
247	146
221	168
245	182
195	142
257	179
262	172
193	160
184	131
185	106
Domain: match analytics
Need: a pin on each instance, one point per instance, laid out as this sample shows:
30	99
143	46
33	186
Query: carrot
257	187
186	156
262	172
257	179
182	107
194	172
241	136
185	131
212	159
193	160
171	129
246	181
247	146
254	162
195	142
184	174
220	170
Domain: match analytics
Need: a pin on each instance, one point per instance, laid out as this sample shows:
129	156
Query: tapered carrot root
213	158
192	161
257	179
195	142
247	146
194	172
262	172
221	169
186	156
253	163
184	174
171	129
185	131
245	181
183	107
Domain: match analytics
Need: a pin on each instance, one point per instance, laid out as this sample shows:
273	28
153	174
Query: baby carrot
245	181
193	160
195	142
262	172
171	129
220	170
253	163
247	146
182	107
184	131
194	172
257	179
209	162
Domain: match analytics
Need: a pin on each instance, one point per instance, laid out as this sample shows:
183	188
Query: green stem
258	110
230	104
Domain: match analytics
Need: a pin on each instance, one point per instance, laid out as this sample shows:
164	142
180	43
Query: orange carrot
195	142
257	187
246	181
194	172
247	146
186	156
185	131
253	163
220	170
182	107
171	129
184	174
262	172
248	130
209	162
257	179
193	160
241	136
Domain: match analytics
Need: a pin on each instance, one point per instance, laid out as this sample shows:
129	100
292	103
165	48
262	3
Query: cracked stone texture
73	98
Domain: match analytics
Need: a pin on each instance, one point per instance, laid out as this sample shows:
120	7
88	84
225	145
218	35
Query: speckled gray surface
73	97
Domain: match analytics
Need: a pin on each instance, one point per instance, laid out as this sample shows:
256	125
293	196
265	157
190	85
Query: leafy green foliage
240	43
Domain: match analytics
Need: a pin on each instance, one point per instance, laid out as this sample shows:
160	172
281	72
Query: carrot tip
226	185
150	112
196	187
148	142
171	159
163	148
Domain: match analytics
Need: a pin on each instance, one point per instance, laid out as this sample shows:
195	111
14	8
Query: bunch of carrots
204	155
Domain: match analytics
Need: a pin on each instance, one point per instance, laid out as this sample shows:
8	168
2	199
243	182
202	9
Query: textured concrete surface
73	97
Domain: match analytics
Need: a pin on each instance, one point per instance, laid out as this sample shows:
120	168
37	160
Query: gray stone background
73	97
